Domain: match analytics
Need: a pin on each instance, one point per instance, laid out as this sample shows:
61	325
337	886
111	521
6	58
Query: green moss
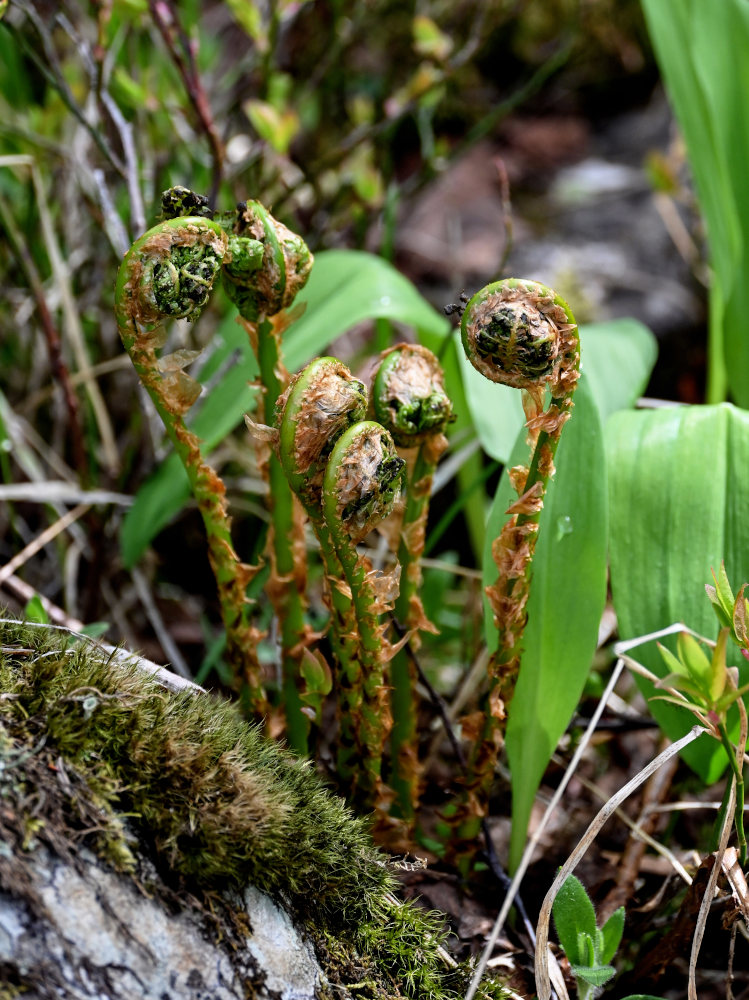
218	805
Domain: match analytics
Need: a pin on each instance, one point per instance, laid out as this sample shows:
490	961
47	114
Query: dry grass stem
38	543
538	833
168	644
637	830
600	820
52	491
709	895
72	322
22	591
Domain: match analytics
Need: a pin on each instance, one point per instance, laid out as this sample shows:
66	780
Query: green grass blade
701	49
568	591
679	493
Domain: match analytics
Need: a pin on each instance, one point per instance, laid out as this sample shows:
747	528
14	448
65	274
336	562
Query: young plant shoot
409	399
522	334
265	267
168	274
363	480
318	405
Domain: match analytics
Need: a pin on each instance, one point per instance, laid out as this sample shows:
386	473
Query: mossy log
153	844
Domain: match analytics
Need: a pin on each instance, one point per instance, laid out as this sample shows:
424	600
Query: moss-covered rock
193	805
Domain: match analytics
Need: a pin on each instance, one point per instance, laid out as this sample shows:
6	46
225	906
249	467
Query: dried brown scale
518	477
551	422
530	502
270	277
511	562
414	393
546	462
413	374
143	308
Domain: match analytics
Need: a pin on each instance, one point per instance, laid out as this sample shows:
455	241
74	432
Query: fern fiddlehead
167	274
363	480
522	334
265	266
318	405
409	399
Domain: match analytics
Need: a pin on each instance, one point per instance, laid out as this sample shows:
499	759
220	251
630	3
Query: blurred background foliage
336	115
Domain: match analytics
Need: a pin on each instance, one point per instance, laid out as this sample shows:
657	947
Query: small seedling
709	688
588	947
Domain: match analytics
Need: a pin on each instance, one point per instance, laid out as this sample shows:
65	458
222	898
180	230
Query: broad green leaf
348	286
611	934
574	919
701	48
345	287
617	358
568	590
496	410
679	493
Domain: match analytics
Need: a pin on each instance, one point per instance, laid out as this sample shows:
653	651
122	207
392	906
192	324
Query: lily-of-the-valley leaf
567	596
679	497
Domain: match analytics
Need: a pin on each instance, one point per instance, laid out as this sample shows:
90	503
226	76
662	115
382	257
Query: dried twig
41	540
542	931
167	21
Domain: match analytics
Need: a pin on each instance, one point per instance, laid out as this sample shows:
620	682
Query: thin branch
38	543
50	69
167	21
52	337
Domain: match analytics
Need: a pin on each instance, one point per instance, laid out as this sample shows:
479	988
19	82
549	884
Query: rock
154	845
90	934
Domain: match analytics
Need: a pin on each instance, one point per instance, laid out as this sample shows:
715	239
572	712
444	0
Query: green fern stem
518	333
169	273
409	399
319	404
363	480
262	284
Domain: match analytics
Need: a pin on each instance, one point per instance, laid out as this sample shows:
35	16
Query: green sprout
522	334
709	687
588	947
169	273
409	399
